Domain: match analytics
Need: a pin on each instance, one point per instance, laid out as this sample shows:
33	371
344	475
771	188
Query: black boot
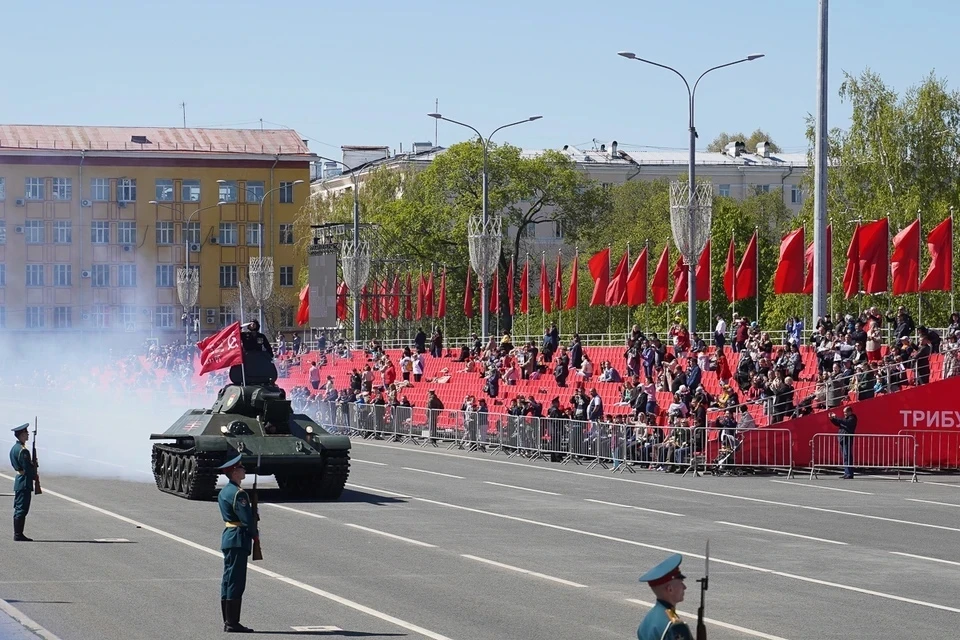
223	612
232	624
18	530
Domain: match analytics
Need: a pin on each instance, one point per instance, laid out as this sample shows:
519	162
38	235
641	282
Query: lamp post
691	178
485	220
187	300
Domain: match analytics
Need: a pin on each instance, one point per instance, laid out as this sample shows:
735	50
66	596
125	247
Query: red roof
165	139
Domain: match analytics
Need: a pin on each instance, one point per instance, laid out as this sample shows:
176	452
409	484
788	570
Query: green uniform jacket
21	463
663	623
238	514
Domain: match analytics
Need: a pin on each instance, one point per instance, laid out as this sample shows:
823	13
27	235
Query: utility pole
820	275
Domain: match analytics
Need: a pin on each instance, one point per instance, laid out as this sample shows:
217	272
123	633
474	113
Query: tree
278	310
750	141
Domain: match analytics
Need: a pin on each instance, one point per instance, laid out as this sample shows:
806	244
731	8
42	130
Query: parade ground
433	543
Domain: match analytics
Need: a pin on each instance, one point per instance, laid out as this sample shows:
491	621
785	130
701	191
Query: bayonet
36	465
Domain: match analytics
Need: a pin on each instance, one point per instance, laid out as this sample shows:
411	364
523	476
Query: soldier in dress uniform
23	486
662	622
239	532
254	340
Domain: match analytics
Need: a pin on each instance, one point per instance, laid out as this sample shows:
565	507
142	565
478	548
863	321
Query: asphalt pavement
429	542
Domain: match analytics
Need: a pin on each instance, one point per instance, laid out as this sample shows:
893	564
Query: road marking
318	629
110	540
942	504
674	488
525	571
303	513
782	533
379	464
356	606
943	484
109	464
725	625
817	486
510	486
22	618
630	506
434	473
391	535
783	574
372	490
910	555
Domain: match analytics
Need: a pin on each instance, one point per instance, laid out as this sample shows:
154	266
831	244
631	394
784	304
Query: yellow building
95	221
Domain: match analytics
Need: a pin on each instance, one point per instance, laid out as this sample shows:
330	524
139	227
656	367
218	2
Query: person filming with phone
847	426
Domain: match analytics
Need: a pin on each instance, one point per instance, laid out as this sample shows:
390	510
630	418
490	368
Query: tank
253	418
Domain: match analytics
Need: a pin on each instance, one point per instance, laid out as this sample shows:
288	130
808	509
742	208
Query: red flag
421	291
303	311
342	301
940	244
874	259
221	350
525	288
574	282
428	305
495	292
375	302
704	279
599	266
442	302
617	289
544	285
660	287
747	271
408	301
468	297
511	301
395	302
808	260
680	279
788	277
851	275
730	273
637	280
557	286
905	264
364	312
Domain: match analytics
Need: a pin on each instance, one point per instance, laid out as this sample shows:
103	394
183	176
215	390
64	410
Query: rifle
704	584
257	551
36	465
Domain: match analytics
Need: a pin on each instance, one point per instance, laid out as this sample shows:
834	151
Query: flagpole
756	232
919	253
445	335
710	286
576	309
733	239
527	293
543	312
646	291
559	285
243	371
609	308
628	293
952	308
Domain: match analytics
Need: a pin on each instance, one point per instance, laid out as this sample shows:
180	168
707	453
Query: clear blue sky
367	72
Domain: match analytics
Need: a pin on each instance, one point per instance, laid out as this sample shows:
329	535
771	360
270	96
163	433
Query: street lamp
487	239
188	290
691	179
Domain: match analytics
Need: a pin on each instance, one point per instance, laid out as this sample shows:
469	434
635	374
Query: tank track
184	472
326	485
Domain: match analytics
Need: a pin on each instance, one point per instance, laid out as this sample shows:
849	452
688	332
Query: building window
193	232
100	189
63	232
227	316
286	276
286	317
101	275
228	276
165	275
796	194
3	188
254	191
3	274
34	317
761	188
228	233
34	275
724	190
100	232
127	190
286	192
33	230
164	190
3	232
530	231
253	234
163	318
100	316
63	188
228	191
62	275
62	317
127	275
164	233
33	189
190	190
128	316
557	229
127	232
286	234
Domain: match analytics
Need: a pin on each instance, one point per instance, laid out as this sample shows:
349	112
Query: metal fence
936	450
736	450
864	451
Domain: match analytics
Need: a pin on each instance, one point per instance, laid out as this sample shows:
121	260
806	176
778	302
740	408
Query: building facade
95	221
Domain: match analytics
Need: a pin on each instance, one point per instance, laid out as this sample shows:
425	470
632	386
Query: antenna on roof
261	124
436	123
183	107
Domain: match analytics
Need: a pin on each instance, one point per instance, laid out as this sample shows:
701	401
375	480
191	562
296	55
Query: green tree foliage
750	141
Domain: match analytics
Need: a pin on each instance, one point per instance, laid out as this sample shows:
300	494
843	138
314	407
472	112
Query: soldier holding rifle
662	622
240	535
27	480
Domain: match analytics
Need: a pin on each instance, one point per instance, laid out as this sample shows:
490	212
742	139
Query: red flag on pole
342	301
851	275
730	273
905	264
442	302
574	282
637	280
375	302
421	292
874	259
395	302
660	286
468	297
704	279
511	301
617	289
940	244
303	311
495	292
221	350
599	265
747	271
429	291
544	285
364	312
788	277
808	260
557	286
680	277
525	287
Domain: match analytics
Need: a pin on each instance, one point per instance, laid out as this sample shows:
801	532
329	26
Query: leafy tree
750	141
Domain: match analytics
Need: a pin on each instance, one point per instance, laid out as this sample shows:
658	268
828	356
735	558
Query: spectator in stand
595	407
794	330
720	333
492	383
951	363
314	376
902	322
933	335
585	372
608	373
298	343
954	325
576	352
418	366
741	332
434	407
436	342
420	340
562	368
923	360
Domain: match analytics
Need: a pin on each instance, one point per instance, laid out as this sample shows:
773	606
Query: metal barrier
871	451
937	450
727	451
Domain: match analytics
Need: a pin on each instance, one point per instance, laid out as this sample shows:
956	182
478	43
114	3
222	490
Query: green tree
750	141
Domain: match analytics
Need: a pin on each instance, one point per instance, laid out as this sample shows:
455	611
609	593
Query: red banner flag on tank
221	350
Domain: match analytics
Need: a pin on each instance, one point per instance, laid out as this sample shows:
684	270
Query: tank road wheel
186	474
329	486
175	473
168	472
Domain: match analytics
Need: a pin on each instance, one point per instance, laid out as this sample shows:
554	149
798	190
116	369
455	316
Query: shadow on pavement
88	541
345	634
348	495
39	601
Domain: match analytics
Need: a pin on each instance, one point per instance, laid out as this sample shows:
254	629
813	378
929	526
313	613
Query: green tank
257	422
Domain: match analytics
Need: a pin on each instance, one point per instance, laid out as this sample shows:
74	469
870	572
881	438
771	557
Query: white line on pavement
434	473
525	571
817	486
942	504
510	486
379	464
782	533
303	513
943	484
372	490
630	506
391	535
356	606
26	622
725	625
910	555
